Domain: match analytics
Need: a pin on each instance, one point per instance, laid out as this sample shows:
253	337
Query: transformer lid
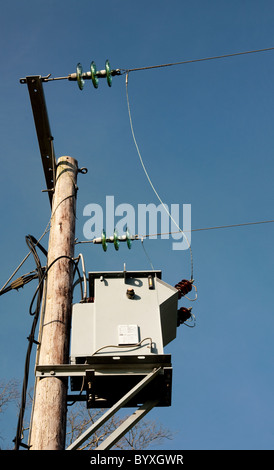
92	275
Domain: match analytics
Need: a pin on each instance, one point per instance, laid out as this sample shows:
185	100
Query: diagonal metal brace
127	425
45	139
120	403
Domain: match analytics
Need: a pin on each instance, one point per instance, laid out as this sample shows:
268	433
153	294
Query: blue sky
205	132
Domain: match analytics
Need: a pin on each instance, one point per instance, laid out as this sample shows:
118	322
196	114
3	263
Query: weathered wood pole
48	428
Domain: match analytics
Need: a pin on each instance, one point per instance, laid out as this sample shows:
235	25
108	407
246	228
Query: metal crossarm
45	139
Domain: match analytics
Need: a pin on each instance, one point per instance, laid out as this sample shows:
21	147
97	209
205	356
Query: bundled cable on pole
31	338
41	275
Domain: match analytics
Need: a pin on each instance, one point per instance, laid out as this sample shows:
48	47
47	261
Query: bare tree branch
141	436
144	434
8	393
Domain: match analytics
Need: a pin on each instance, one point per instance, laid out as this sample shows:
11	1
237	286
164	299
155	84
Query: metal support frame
153	379
112	364
95	381
121	430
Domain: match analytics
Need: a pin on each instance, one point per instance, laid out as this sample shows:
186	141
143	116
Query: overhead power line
234	54
93	74
209	228
140	237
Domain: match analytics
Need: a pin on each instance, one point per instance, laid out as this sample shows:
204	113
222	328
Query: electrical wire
196	295
42	318
141	237
39	294
42	272
37	241
20	282
48	78
39	340
206	228
84	296
49	267
234	54
18	438
150	262
150	182
192	319
136	345
26	257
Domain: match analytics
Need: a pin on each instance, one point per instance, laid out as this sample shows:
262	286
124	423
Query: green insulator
104	243
128	238
79	73
115	240
108	73
94	77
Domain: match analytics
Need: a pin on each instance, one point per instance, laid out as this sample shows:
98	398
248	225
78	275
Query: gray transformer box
128	314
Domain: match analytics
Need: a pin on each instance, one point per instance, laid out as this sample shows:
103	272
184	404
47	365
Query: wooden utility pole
48	428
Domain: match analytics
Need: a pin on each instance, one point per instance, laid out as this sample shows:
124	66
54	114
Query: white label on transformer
128	334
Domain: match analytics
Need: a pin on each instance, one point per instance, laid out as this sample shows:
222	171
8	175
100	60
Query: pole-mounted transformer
117	334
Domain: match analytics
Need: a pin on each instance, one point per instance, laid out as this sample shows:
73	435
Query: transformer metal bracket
136	382
97	379
128	424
